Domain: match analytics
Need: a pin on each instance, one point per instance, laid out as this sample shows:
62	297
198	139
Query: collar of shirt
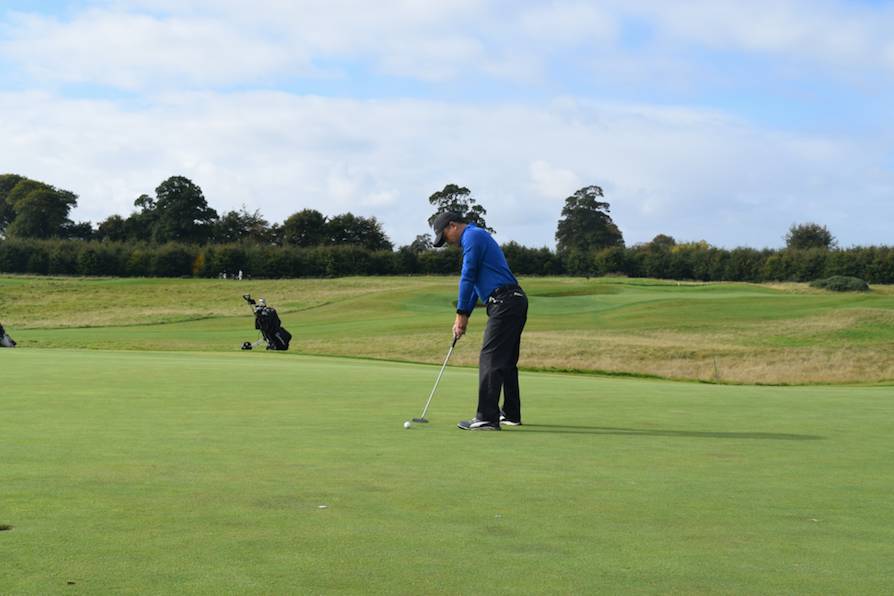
468	225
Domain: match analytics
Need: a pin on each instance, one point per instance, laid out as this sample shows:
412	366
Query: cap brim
439	240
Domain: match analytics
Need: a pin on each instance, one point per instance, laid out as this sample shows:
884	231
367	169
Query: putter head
421	420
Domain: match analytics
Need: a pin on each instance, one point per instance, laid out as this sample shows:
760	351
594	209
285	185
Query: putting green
264	473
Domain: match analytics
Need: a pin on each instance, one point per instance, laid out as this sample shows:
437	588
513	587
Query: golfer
486	275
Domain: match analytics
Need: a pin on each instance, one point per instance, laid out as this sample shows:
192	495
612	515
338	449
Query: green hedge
685	261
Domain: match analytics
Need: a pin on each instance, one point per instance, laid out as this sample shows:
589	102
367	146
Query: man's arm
473	252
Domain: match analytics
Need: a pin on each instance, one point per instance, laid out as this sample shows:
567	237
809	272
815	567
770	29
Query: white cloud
144	45
824	32
569	23
690	173
147	44
136	52
553	182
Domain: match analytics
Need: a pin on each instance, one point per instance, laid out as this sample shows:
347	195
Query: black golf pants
507	312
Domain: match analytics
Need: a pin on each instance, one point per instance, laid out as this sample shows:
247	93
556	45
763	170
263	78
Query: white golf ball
407	424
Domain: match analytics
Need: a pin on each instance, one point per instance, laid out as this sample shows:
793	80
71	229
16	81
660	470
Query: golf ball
407	424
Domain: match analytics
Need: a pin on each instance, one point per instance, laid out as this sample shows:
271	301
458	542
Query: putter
422	418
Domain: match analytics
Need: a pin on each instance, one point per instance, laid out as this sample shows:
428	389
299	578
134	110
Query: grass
729	333
140	472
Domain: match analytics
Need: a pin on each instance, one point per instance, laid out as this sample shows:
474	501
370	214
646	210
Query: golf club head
421	420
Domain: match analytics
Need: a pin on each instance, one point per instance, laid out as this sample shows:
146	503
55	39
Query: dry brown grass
707	358
636	355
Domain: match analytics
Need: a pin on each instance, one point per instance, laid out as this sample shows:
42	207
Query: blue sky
715	120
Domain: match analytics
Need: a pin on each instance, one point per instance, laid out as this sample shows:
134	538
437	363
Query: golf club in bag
267	322
422	417
5	340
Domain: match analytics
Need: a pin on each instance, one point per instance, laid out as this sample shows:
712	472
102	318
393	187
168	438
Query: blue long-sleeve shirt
484	268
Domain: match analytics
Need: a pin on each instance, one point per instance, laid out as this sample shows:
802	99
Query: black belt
506	291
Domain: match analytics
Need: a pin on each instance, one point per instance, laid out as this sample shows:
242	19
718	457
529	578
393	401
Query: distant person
486	275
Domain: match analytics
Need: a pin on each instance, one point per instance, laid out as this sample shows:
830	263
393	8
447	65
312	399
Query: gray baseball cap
441	222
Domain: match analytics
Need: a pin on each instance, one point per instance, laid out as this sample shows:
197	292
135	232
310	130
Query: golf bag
267	321
5	340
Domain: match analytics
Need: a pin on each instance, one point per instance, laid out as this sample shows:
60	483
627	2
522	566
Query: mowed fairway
232	473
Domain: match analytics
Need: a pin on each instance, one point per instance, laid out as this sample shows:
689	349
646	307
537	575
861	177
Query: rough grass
730	333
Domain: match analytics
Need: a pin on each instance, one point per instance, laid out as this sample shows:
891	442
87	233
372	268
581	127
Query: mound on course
727	333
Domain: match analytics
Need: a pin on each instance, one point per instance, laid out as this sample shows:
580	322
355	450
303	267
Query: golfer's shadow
657	432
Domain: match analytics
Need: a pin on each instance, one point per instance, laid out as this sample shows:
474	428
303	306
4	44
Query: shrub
14	256
841	283
173	260
62	260
610	261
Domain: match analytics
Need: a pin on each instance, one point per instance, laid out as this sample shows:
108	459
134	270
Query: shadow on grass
607	430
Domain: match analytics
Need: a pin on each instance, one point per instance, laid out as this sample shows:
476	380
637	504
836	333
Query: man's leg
511	391
499	355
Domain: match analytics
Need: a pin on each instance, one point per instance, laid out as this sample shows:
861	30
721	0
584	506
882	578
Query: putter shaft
438	380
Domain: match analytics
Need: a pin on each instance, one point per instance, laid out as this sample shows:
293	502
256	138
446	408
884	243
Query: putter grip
455	339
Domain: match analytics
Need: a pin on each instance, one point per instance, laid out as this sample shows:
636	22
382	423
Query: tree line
176	233
178	212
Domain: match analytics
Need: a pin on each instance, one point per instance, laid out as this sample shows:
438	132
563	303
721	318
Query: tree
83	230
182	211
348	228
141	224
586	224
113	228
662	242
458	200
7	214
40	210
422	243
305	228
809	235
240	226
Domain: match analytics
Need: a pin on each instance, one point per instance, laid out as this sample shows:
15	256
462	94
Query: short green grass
138	472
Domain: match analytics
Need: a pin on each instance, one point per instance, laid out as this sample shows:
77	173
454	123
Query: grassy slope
729	332
129	472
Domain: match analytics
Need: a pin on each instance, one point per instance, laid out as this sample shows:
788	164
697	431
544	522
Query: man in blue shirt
486	276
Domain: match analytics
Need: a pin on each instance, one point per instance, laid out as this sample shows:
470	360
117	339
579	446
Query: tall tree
7	214
348	228
809	235
586	224
304	228
40	210
183	212
458	199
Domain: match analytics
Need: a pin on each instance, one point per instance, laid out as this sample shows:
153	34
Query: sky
715	120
